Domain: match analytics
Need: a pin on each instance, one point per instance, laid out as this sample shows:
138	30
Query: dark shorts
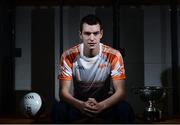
119	113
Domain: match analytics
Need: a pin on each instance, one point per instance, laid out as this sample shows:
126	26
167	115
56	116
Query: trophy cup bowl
151	95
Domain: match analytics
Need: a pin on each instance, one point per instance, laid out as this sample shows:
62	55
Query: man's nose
92	37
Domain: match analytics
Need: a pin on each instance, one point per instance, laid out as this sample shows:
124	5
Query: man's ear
101	32
80	34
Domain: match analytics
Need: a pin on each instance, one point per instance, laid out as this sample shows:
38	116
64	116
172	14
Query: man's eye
87	33
96	33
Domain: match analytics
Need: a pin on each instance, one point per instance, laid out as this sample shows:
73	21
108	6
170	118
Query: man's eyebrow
86	32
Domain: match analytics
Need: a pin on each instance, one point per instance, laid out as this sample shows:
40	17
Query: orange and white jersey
91	76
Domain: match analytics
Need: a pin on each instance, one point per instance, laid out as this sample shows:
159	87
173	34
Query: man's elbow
121	94
62	94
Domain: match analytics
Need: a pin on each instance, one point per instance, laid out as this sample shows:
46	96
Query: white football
31	104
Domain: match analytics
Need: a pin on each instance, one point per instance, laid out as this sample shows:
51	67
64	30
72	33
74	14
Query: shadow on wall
167	102
166	78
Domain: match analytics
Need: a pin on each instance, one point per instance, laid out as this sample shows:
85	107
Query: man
91	66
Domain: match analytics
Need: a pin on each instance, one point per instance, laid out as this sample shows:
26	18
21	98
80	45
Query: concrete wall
23	41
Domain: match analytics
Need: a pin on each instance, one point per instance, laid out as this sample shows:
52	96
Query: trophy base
152	115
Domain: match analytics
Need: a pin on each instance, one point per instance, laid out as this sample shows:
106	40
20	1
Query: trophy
151	95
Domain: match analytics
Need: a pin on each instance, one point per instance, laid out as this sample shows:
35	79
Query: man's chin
93	47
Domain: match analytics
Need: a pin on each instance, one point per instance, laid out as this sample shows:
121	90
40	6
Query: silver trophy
151	95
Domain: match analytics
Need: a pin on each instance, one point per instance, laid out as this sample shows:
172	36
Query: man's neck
91	52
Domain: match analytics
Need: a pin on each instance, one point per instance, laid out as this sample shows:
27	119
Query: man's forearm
115	98
67	97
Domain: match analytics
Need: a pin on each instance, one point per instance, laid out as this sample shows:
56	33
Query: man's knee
59	107
124	112
64	113
59	111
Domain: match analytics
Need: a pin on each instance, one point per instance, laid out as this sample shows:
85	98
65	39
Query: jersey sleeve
117	67
65	72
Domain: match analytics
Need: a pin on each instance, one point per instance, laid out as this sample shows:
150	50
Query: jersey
91	76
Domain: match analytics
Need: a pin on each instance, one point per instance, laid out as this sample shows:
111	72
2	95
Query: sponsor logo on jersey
101	65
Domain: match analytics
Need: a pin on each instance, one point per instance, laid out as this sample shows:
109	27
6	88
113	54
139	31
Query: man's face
91	36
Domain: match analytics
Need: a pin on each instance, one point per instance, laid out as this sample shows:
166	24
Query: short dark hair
90	20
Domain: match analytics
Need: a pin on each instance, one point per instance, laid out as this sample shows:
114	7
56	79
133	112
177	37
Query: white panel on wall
23	41
152	34
152	74
57	50
157	44
165	37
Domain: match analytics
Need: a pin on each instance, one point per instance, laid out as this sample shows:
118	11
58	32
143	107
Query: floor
46	120
164	120
23	120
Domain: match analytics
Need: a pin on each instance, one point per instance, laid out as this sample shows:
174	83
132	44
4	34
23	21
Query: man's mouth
91	44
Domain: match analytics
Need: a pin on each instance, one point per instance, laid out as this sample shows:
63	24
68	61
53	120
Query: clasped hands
91	107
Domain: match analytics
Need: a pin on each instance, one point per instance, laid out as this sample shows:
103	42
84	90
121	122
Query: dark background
128	38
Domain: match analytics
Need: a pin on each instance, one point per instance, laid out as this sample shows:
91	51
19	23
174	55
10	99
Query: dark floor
24	120
46	120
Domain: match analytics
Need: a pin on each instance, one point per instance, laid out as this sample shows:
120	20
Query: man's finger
90	107
94	111
92	100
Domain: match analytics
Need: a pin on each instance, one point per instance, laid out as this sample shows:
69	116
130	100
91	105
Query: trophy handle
164	94
136	90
